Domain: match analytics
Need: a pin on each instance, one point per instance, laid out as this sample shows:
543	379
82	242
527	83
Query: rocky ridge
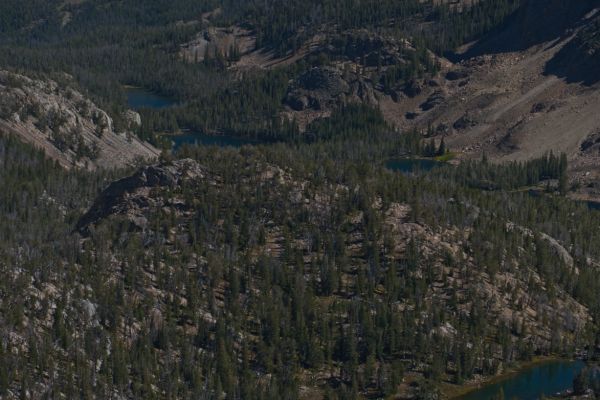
69	127
131	196
516	299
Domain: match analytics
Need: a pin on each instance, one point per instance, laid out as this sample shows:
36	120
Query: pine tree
4	372
581	383
442	149
563	179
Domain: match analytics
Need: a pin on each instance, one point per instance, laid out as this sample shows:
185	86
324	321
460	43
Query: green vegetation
128	42
514	175
301	317
277	21
302	263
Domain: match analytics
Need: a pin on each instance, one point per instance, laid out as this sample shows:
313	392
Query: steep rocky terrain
530	109
302	267
526	89
496	97
162	205
69	128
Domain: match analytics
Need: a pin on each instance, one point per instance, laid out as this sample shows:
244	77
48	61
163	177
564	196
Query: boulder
413	88
457	75
437	98
463	123
132	119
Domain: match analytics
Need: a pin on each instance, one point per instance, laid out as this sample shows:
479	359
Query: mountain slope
68	127
303	267
274	236
537	95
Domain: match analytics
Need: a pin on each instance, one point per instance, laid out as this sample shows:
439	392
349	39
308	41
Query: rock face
591	145
68	127
133	119
324	88
579	60
130	196
218	43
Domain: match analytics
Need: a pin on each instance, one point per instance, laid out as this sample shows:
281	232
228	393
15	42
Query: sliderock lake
531	383
138	98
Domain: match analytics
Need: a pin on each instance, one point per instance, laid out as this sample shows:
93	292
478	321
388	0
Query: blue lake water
593	205
412	165
197	138
140	98
547	379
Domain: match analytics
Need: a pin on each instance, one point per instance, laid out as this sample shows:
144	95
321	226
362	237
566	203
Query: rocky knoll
131	196
69	127
362	68
279	217
326	88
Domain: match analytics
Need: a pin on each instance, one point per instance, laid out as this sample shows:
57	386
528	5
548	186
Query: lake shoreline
412	165
139	98
456	392
194	138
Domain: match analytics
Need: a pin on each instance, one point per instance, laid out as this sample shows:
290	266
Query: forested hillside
407	221
263	273
279	22
107	45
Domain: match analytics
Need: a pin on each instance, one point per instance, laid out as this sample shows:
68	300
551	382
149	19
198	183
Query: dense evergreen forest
105	46
298	268
216	317
278	21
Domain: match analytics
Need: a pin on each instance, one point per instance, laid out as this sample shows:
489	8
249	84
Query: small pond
593	205
141	98
197	138
413	165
